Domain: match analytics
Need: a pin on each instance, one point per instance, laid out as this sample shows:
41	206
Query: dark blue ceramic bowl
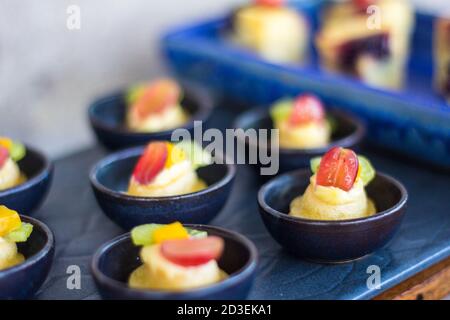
107	118
110	177
113	263
348	132
28	196
331	241
24	280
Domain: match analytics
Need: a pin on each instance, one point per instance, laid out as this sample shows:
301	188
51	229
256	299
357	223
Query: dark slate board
424	238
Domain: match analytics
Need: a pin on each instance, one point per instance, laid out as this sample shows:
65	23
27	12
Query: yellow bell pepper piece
173	231
6	143
174	155
9	221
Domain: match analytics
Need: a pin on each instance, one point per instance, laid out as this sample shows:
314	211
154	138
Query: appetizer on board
301	122
155	106
176	258
442	56
10	153
12	231
273	30
168	169
337	188
369	39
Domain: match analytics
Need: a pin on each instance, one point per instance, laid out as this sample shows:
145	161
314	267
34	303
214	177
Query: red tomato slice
363	4
151	162
4	155
307	108
271	3
158	96
338	168
192	252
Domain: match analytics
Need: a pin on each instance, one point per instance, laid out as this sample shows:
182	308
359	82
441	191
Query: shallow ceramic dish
116	260
331	241
414	121
24	280
348	132
107	118
28	196
110	177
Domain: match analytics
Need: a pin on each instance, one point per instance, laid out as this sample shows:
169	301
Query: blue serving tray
414	121
422	240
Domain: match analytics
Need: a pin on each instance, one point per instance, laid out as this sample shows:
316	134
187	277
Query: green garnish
143	235
367	173
21	234
315	163
134	93
17	151
281	110
197	234
198	156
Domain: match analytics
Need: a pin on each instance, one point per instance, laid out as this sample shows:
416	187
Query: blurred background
49	74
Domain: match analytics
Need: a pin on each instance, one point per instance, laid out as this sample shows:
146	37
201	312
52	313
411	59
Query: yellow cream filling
9	256
330	203
170	118
158	273
10	175
308	136
178	179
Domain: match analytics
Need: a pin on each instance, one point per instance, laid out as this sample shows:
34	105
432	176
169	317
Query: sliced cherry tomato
151	162
192	252
338	168
307	108
4	155
270	3
157	97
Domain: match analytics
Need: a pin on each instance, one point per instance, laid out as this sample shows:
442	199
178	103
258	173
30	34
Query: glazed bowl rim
376	217
136	151
349	140
246	270
40	175
201	96
43	252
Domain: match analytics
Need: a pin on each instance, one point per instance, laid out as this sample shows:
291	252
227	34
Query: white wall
49	74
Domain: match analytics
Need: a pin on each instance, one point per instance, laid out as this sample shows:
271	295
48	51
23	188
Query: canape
168	169
176	258
156	185
301	122
26	254
306	130
337	188
345	211
25	176
442	56
12	231
10	153
151	112
273	30
155	106
175	261
369	39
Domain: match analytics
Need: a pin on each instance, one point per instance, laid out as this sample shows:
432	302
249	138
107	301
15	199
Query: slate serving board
424	238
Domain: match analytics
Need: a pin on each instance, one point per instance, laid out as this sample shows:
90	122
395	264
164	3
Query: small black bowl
113	263
24	280
28	196
348	133
331	241
107	118
110	178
